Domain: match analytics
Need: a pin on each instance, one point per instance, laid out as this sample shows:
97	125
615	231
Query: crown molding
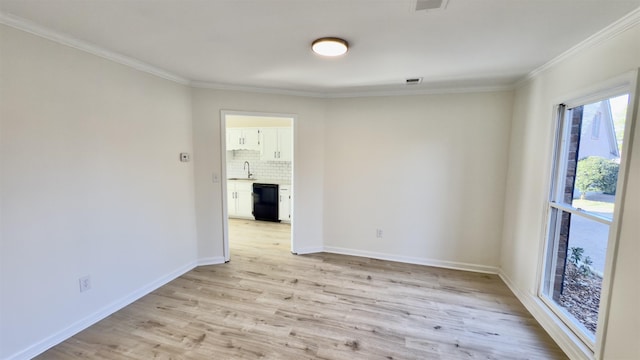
628	21
64	39
623	24
254	89
364	93
422	91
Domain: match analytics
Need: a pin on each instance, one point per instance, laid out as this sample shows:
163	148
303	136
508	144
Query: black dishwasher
265	202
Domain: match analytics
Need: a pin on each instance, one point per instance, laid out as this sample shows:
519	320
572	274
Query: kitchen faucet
248	168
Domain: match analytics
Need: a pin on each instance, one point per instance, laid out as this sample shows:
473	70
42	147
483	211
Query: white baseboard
414	260
102	313
309	250
559	332
211	261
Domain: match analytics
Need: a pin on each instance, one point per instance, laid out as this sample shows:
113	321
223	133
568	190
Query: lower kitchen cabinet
284	205
240	199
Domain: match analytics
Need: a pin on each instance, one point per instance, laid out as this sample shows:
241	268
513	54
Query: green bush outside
596	173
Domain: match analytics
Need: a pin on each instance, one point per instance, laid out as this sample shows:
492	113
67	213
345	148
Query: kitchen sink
241	179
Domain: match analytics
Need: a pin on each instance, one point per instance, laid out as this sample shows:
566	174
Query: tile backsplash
261	170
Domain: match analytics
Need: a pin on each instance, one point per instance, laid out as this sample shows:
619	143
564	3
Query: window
581	209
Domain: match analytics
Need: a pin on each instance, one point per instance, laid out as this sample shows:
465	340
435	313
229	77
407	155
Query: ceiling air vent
413	81
431	5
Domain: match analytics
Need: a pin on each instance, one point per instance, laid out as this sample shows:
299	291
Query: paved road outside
591	235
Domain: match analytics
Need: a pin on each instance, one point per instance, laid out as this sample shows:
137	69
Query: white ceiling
266	43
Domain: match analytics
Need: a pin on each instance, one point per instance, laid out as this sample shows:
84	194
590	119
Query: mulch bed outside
581	296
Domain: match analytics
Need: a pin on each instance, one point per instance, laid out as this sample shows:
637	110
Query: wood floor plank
269	304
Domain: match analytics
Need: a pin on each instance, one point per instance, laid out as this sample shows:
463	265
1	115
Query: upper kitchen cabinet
276	144
243	139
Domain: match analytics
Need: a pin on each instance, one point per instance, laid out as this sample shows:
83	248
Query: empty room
302	179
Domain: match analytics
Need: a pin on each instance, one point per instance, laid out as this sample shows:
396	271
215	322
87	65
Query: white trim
309	250
559	332
215	260
64	39
355	94
616	228
223	164
627	82
572	323
415	260
605	90
102	313
223	184
292	189
255	89
625	23
584	213
423	91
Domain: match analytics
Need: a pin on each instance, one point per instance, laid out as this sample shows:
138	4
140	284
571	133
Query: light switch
185	157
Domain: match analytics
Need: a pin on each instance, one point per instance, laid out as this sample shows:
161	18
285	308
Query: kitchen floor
275	236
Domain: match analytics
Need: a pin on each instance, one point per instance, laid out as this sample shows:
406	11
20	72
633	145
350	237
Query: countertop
262	181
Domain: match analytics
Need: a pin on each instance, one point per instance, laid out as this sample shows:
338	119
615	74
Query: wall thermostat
185	157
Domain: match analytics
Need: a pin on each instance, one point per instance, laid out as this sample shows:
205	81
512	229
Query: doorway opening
257	172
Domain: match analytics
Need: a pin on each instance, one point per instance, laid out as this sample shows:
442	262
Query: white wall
527	189
90	182
308	163
428	170
90	185
400	163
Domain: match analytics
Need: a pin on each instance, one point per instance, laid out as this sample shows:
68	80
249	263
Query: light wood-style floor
269	304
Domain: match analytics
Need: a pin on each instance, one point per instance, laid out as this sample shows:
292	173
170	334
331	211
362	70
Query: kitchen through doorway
257	163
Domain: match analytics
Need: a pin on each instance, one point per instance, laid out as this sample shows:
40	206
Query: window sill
568	341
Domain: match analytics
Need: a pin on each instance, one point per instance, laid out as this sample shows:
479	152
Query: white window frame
624	84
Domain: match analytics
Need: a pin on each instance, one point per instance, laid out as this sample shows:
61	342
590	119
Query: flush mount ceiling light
330	46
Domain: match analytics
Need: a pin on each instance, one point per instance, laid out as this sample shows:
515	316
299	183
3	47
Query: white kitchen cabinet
243	139
284	205
285	144
276	144
240	199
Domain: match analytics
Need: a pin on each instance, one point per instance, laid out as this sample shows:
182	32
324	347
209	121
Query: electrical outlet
379	233
85	283
185	157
